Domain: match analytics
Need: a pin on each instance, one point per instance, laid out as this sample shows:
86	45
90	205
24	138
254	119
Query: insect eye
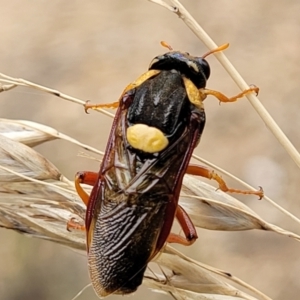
205	67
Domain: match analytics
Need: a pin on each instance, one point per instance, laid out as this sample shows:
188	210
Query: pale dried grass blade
24	160
20	132
32	134
182	294
216	210
15	82
212	270
194	278
6	87
163	3
266	198
41	205
42	208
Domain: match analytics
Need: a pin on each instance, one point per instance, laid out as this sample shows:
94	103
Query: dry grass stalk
177	8
36	199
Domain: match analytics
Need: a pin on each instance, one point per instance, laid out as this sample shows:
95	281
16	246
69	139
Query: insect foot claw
73	224
80	176
260	193
87	106
254	88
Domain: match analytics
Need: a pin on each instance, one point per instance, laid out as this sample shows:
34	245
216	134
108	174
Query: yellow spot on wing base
146	138
140	80
193	93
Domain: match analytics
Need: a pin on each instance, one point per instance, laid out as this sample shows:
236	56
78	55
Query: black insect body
134	201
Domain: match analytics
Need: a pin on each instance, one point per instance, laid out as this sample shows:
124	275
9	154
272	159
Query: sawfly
158	123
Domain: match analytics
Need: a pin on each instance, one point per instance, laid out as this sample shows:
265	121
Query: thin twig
23	82
237	78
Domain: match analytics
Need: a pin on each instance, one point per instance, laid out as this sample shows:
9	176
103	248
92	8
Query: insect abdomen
122	245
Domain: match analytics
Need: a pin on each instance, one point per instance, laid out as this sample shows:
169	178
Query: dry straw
36	199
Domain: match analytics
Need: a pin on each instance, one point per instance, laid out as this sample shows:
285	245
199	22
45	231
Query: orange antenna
166	45
220	48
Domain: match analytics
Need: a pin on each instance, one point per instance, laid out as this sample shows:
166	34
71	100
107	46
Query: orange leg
129	87
89	178
74	224
89	105
204	172
222	98
187	227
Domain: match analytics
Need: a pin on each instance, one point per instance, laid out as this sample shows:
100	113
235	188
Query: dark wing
132	207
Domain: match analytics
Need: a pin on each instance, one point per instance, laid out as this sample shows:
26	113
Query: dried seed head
25	161
26	132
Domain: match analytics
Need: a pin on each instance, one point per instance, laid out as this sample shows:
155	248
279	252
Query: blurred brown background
91	50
